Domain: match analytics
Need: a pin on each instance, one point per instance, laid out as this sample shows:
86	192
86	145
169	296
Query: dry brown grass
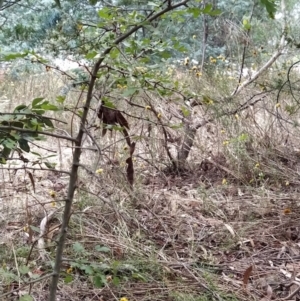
175	237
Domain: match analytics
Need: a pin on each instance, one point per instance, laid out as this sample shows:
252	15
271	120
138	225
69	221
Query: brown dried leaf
247	275
31	180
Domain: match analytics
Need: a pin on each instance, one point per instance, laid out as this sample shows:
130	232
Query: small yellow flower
277	105
26	229
125	147
194	36
224	181
223	131
69	270
53	204
159	115
212	60
287	183
99	171
147	107
226	142
236	116
194	68
198	74
52	193
251	181
257	165
123	299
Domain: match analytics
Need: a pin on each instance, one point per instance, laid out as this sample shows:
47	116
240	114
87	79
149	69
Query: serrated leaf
104	13
26	298
116	281
99	280
87	269
102	249
23	269
78	247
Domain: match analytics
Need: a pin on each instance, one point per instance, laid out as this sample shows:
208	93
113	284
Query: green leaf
114	53
36	229
78	247
26	298
130	91
47	122
36	101
165	54
105	13
270	6
87	269
24	145
68	279
195	11
36	154
116	281
215	12
50	165
23	269
108	104
91	55
20	108
185	111
49	107
14	56
176	126
207	9
102	249
38	111
60	99
99	280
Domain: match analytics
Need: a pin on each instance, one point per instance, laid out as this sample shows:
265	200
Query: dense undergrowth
224	228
